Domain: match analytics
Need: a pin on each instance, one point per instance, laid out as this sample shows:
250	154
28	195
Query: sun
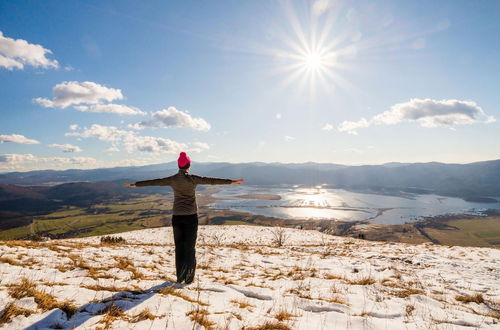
314	61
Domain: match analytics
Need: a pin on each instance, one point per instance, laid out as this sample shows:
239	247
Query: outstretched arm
156	182
208	180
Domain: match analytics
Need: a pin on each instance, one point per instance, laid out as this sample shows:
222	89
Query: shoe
189	276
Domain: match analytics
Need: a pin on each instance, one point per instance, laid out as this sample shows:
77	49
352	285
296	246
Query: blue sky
107	83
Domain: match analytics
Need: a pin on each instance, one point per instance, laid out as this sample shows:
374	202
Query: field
108	218
478	231
151	211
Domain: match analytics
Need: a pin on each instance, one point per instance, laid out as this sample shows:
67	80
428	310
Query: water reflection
322	203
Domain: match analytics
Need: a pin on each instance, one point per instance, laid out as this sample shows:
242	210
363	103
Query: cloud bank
15	161
17	138
87	96
173	117
132	142
16	53
425	112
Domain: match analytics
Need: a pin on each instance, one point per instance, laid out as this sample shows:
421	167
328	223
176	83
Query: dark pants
185	230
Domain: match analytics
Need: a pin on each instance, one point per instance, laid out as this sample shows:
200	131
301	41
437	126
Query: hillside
245	280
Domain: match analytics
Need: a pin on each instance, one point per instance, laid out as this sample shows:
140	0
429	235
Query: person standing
184	213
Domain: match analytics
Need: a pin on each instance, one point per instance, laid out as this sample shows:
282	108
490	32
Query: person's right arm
155	182
209	180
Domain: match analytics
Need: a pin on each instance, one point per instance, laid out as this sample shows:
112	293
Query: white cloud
172	117
17	138
327	127
16	158
113	149
119	109
288	138
15	53
74	127
132	142
198	146
66	147
31	162
319	7
73	92
103	133
352	126
427	113
152	144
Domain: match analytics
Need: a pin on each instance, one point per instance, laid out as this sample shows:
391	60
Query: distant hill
474	180
19	203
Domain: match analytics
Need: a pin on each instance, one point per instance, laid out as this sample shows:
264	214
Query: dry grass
126	264
200	316
338	300
406	292
123	263
279	236
477	298
303	290
96	287
333	277
262	285
24	244
111	313
11	310
362	281
409	310
10	261
269	325
44	300
237	316
283	315
78	262
242	304
142	316
173	292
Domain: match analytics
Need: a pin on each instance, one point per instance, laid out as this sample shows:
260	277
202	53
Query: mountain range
473	180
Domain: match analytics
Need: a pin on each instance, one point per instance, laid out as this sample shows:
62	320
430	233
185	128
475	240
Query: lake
298	202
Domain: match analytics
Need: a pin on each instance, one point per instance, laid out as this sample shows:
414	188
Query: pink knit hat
184	161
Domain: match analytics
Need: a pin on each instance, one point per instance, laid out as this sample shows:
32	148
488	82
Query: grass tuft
173	292
477	298
44	300
12	310
283	315
361	281
142	316
269	325
200	316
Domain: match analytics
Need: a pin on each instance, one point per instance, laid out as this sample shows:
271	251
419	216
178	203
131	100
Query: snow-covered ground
245	280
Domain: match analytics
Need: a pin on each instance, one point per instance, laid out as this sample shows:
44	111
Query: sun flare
314	61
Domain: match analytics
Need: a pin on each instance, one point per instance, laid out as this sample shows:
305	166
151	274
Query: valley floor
249	277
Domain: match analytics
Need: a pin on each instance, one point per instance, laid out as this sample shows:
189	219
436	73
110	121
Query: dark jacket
184	186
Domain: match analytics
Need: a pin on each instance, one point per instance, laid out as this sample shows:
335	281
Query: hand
129	185
239	181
